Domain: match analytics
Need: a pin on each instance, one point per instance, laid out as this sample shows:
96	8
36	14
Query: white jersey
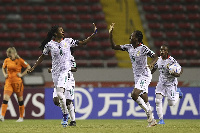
60	53
165	77
138	58
73	64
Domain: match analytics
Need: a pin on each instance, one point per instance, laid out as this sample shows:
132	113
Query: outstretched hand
95	28
111	27
30	70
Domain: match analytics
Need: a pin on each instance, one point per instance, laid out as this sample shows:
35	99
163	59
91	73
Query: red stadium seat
75	35
191	53
166	16
109	53
194	16
7	1
2	17
30	26
42	34
71	17
83	8
93	45
4	35
19	44
197	25
42	17
54	8
95	54
154	25
33	44
42	26
36	53
184	25
163	8
159	43
188	43
4	44
99	17
96	63
82	64
26	9
112	63
169	26
29	17
21	1
68	9
177	8
39	8
105	44
96	8
72	26
11	9
86	25
186	34
192	8
179	17
172	34
149	8
80	54
158	34
151	17
101	25
177	53
16	35
195	63
190	1
174	1
174	44
23	53
85	17
56	17
31	35
103	35
13	26
197	34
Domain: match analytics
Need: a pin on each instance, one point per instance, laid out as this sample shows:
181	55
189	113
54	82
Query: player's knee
56	101
158	101
5	102
68	102
21	103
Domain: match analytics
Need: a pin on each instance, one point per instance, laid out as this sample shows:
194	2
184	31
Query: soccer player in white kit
138	53
59	48
167	84
69	92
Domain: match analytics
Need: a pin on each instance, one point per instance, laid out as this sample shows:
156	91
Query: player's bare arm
85	41
24	73
114	46
40	59
4	72
155	58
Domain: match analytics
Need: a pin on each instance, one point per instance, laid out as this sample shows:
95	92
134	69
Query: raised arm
114	46
40	59
85	41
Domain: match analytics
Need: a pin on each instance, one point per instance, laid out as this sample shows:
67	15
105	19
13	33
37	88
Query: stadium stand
25	23
175	22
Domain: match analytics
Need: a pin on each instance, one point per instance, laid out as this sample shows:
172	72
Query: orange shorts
16	87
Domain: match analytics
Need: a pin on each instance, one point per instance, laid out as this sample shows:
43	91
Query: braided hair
50	34
139	35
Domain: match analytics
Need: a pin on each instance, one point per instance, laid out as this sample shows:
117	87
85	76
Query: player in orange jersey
12	72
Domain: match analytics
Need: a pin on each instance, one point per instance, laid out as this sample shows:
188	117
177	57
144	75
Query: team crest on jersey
65	45
138	53
168	65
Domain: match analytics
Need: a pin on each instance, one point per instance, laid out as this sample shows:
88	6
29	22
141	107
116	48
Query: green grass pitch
100	126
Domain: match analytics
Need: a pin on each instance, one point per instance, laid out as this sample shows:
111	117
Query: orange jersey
14	67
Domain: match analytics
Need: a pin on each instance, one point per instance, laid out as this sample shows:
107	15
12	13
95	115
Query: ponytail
50	34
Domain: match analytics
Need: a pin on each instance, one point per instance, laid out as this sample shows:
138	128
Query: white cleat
152	123
1	118
20	119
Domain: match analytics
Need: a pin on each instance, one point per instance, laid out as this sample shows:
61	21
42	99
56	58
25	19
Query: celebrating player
60	52
138	53
69	92
167	84
12	72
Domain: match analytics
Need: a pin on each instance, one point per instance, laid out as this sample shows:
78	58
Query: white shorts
69	91
167	90
61	80
143	83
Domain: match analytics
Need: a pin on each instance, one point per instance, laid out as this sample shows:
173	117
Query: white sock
158	102
71	111
176	97
62	99
142	104
149	106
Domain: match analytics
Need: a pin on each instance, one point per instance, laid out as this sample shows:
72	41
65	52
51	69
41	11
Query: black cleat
72	123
